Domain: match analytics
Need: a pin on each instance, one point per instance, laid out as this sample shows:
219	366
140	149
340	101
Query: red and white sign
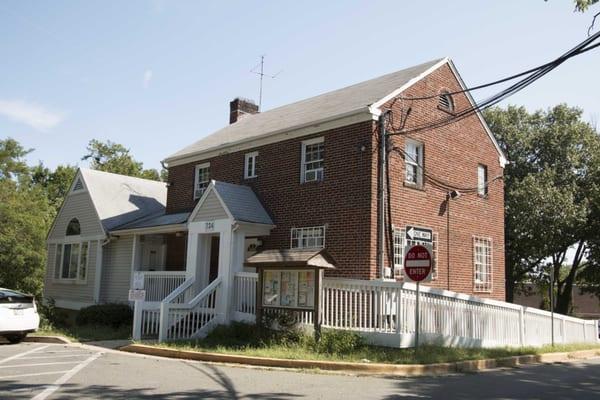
417	262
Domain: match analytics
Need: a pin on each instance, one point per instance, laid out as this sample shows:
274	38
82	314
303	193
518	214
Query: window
71	261
482	180
250	165
400	243
73	228
413	159
482	264
312	237
202	179
312	160
446	102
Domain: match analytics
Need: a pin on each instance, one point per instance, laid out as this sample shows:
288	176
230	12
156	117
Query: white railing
384	313
159	284
184	320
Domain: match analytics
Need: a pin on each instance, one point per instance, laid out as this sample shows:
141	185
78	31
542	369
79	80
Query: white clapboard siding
211	209
116	271
77	205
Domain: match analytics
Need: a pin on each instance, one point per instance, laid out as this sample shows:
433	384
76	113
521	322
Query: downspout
382	194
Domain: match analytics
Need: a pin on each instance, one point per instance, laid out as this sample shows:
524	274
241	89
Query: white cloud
30	114
147	78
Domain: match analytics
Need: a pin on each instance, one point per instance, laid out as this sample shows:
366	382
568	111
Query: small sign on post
417	268
137	295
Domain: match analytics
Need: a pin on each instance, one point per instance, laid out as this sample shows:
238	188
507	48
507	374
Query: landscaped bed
247	340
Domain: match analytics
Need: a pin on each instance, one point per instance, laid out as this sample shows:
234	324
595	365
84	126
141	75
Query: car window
11	296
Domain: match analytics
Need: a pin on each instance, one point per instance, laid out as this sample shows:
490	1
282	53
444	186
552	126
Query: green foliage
583	5
54	183
551	192
24	219
115	158
12	164
113	315
338	342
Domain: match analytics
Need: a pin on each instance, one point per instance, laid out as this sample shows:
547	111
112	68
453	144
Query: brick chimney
240	107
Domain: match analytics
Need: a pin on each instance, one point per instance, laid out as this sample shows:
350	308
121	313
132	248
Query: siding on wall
77	205
69	290
211	209
116	271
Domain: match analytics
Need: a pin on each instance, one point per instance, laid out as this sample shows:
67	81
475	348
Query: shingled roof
338	103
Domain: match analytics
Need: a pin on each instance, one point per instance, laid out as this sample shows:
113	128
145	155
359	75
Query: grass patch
245	339
88	333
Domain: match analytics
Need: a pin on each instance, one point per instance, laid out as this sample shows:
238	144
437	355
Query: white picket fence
384	312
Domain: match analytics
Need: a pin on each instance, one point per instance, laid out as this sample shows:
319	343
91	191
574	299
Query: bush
338	342
114	315
50	316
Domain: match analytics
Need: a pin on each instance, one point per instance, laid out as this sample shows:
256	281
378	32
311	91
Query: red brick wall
342	200
347	198
452	154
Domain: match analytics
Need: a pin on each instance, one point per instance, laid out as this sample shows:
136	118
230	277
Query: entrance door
213	272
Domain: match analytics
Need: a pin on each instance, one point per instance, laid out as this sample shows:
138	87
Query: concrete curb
47	339
365	368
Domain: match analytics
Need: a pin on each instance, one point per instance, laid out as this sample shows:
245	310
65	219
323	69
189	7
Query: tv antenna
262	75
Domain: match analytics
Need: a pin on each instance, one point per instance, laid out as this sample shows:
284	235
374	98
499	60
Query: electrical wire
503	94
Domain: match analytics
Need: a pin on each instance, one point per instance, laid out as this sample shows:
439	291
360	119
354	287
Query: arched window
73	228
446	102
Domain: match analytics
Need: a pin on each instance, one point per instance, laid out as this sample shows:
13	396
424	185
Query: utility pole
552	303
383	137
262	75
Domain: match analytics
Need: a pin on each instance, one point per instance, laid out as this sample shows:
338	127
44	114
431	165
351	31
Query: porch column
226	274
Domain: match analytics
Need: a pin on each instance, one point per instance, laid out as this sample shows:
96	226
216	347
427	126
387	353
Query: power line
532	76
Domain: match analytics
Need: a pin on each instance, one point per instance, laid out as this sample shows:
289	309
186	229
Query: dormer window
446	102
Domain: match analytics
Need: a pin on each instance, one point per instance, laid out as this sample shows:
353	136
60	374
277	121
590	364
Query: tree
583	5
115	158
25	216
550	196
55	184
12	164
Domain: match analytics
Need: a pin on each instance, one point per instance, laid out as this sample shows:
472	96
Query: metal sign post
417	268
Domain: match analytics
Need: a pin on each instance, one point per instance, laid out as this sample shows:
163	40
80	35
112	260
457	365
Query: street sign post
417	268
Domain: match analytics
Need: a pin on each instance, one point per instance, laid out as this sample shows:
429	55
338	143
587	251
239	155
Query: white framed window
413	161
309	237
250	160
71	261
400	244
482	264
482	180
202	179
313	153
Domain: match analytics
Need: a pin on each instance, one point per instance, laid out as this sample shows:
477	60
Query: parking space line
34	374
16	356
63	379
61	356
39	364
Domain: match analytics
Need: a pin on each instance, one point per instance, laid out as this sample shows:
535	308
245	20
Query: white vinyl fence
384	312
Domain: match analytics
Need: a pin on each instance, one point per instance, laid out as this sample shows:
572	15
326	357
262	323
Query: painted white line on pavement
63	356
63	379
22	354
39	364
35	374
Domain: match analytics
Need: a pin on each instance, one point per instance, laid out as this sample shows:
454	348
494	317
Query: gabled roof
120	199
342	102
292	258
239	201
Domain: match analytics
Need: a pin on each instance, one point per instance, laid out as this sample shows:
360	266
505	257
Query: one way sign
420	234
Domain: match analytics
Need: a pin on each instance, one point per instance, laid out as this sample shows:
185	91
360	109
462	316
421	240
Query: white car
18	315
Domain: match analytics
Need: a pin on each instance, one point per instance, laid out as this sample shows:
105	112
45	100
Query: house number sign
209	226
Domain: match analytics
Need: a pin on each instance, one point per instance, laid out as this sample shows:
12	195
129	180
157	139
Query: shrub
114	315
338	342
50	316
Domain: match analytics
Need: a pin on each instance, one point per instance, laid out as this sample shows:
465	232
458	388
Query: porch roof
242	203
156	220
292	258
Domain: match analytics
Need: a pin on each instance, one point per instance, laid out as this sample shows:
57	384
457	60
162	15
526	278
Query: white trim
301	232
325	124
419	162
74	240
69	239
376	107
247	156
196	169
209	189
152	229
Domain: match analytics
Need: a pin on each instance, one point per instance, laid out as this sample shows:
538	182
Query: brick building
302	176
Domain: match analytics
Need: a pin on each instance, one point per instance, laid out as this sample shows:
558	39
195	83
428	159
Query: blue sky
157	75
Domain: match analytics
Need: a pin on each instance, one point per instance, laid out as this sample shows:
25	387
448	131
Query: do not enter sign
417	262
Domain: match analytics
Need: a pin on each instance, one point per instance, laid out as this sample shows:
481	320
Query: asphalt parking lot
51	371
